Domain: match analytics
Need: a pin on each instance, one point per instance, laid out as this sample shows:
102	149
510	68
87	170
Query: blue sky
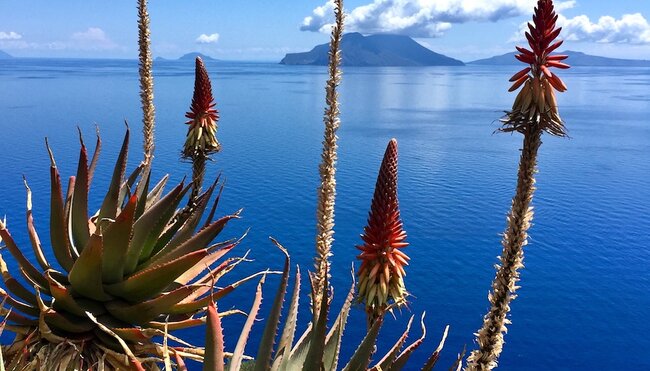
267	29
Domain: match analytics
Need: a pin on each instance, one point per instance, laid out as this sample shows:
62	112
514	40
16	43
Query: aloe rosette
118	278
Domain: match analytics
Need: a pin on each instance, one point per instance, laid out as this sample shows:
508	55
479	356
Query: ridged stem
504	286
327	168
198	173
146	81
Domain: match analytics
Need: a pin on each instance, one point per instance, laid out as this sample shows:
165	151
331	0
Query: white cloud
207	39
629	29
420	18
11	35
93	38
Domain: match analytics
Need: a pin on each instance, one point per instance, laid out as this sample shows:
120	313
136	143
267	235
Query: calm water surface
584	302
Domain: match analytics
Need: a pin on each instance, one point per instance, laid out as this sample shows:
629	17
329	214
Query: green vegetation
146	264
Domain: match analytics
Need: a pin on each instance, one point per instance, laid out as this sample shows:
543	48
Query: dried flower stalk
327	168
146	81
534	112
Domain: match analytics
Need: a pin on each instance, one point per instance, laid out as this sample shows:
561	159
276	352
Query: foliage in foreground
122	276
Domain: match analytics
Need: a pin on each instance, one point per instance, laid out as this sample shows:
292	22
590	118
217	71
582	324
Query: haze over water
584	302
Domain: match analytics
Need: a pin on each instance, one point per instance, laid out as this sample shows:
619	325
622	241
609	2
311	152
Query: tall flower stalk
327	168
381	274
201	139
146	81
534	111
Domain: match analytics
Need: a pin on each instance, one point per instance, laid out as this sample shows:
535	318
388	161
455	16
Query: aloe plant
115	279
534	112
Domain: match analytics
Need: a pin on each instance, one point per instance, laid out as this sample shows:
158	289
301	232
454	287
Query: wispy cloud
208	39
11	35
93	39
629	29
420	18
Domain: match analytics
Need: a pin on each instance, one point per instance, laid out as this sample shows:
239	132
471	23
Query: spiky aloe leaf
116	243
128	189
152	281
149	226
265	350
79	211
238	353
14	286
214	343
186	224
30	272
361	357
31	230
112	200
386	362
296	360
198	241
85	275
217	251
314	359
67	322
143	312
18	305
58	226
63	299
401	360
334	337
286	339
431	362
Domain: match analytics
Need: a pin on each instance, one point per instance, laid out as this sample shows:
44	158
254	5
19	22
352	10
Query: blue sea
584	302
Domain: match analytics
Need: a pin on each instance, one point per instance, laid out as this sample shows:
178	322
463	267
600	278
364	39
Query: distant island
374	50
189	56
575	59
4	55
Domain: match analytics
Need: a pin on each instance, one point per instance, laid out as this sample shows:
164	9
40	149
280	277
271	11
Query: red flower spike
382	268
201	134
535	105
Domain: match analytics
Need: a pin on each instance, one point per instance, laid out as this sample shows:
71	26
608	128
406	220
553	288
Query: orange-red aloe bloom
536	103
201	134
381	275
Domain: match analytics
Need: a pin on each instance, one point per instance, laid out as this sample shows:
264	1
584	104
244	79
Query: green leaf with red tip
112	200
18	305
335	336
63	299
201	240
86	273
238	353
58	225
116	243
31	273
95	158
386	362
361	357
214	343
186	224
217	251
143	312
288	333
67	322
314	360
431	362
147	283
148	227
401	360
265	350
31	231
79	210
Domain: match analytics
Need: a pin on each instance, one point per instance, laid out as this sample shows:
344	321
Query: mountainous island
189	56
4	55
575	59
374	50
